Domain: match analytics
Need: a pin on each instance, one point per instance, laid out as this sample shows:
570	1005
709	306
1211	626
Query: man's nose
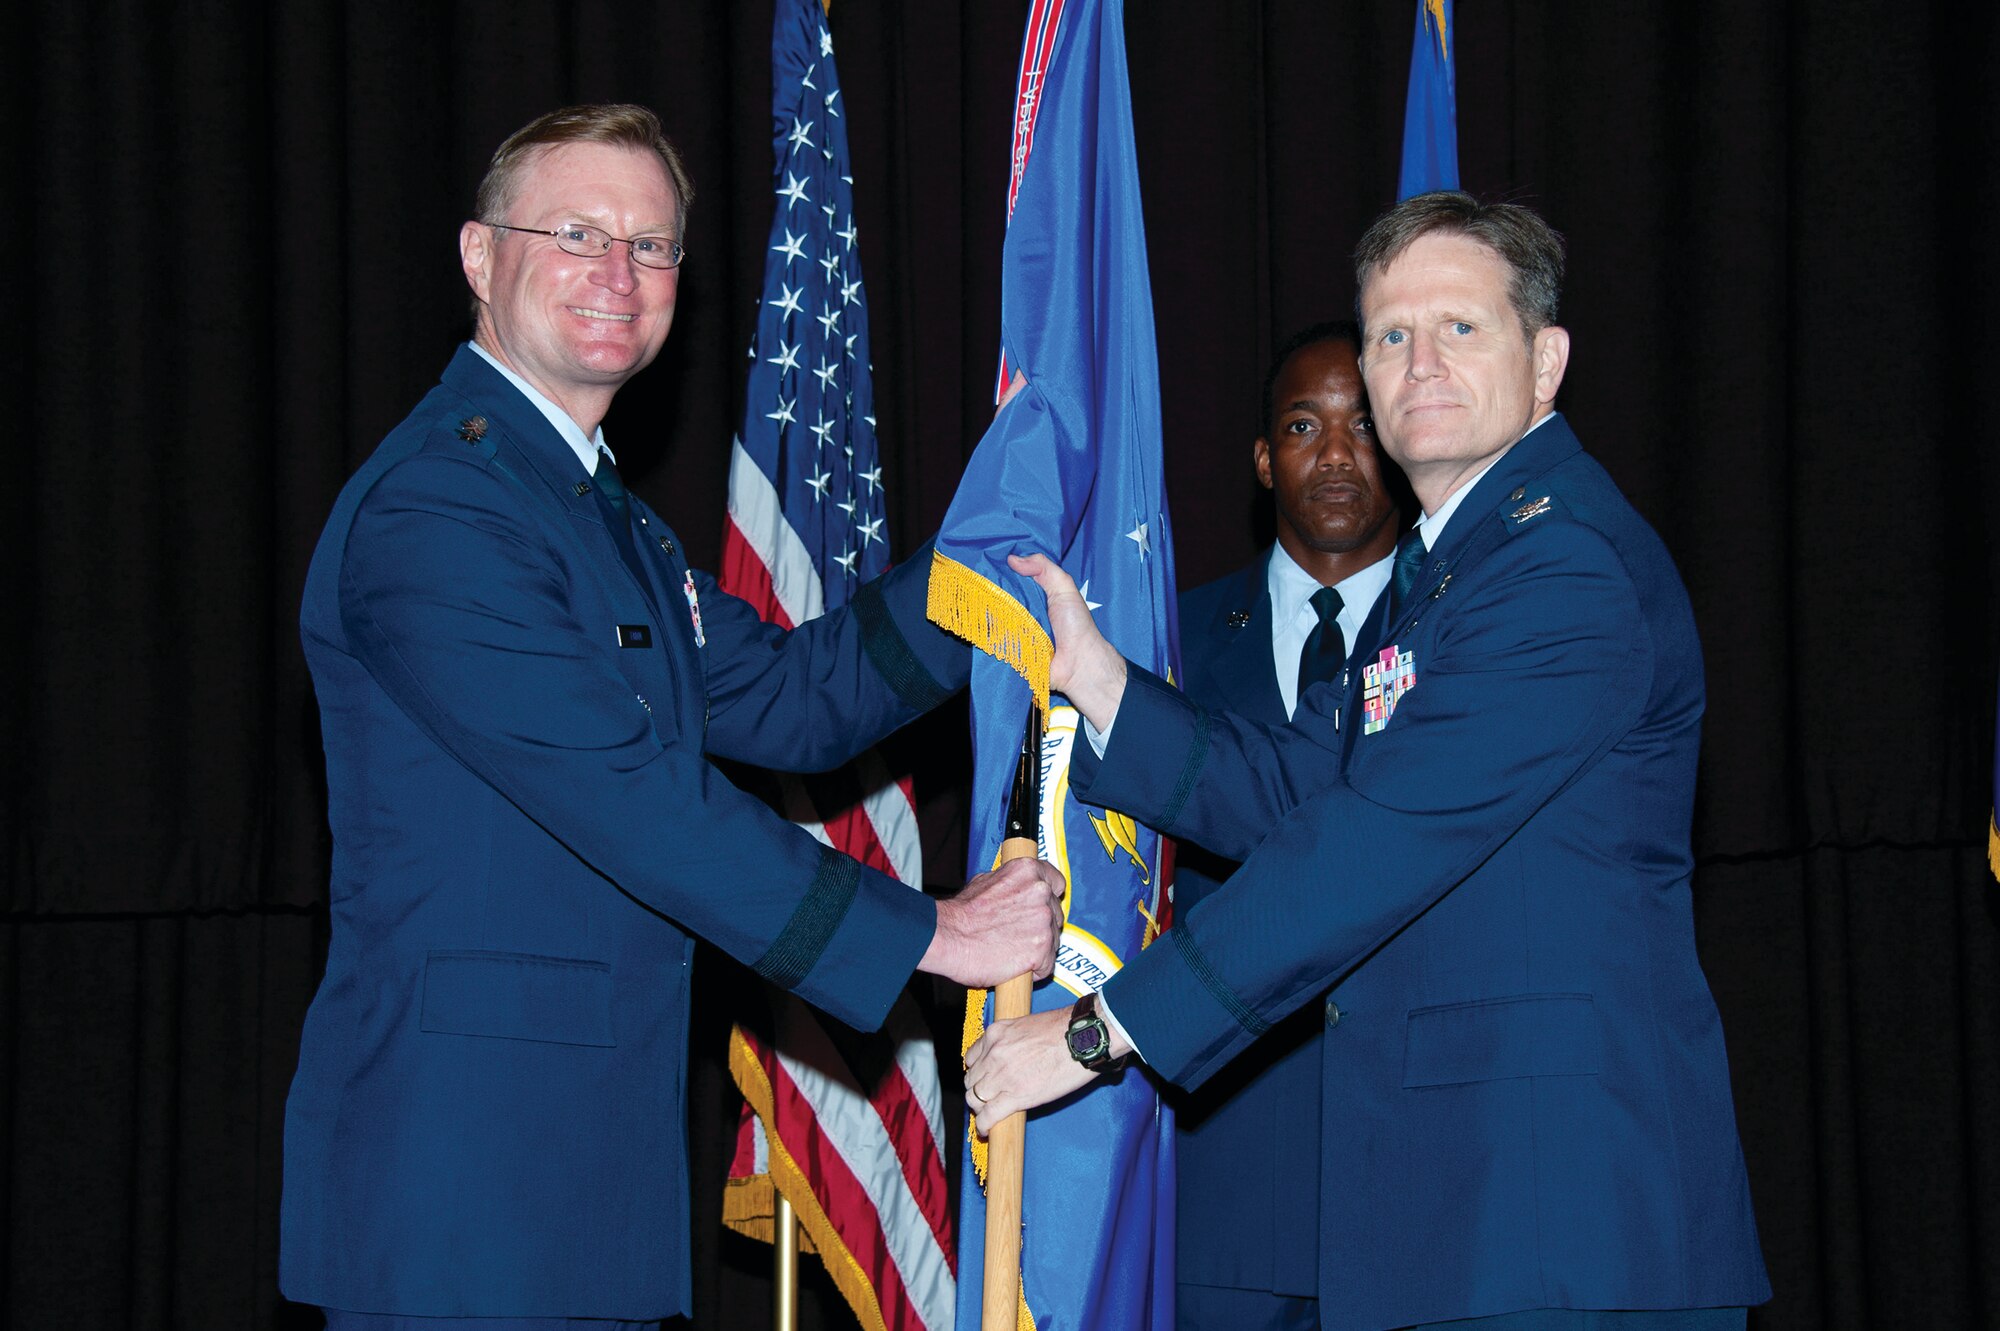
617	270
1425	362
1335	451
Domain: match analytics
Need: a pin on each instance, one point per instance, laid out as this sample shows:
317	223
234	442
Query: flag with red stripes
848	1127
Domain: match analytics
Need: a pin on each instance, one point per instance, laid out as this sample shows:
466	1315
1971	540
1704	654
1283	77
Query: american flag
849	1129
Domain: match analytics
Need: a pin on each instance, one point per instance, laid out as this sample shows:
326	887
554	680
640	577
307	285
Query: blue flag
1430	116
1072	469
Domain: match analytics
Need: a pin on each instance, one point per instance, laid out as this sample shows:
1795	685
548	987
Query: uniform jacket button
1333	1014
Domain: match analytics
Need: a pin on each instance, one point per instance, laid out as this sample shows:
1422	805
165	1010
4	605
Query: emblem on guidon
694	609
1384	681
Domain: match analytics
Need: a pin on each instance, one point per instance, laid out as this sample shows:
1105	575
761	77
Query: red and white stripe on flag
850	1129
862	1165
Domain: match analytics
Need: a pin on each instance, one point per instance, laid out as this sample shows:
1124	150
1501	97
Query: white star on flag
793	248
794	190
828	317
1138	536
783	414
852	234
818	483
871	531
789	301
787	357
1084	592
826	371
801	135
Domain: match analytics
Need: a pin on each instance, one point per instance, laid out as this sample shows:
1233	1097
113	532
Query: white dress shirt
1293	618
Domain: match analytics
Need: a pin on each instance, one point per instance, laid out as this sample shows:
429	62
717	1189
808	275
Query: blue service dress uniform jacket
1525	1100
1247	1148
517	707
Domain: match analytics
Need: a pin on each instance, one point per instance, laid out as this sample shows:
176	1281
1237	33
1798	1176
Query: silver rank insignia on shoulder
472	429
1534	508
1238	618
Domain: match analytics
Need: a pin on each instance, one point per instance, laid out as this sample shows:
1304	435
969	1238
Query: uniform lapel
1478	525
550	457
1474	530
1245	674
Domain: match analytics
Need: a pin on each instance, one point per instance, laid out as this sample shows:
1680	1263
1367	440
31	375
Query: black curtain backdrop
231	269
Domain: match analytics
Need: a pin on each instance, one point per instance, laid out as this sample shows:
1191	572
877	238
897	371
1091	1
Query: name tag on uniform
634	635
1384	681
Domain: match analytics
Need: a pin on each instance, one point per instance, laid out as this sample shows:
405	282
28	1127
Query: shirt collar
585	449
1291	586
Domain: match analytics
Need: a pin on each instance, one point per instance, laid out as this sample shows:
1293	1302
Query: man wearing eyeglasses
520	684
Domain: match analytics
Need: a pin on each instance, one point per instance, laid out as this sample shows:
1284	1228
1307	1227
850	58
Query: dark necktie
612	486
611	489
1410	555
1325	650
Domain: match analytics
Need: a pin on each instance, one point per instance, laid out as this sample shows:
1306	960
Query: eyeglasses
589	242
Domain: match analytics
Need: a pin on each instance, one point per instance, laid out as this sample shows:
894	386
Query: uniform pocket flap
1532	1035
518	996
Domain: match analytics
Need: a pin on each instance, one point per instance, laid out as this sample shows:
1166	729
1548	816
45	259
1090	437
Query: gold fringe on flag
1993	845
816	1231
975	1026
972	606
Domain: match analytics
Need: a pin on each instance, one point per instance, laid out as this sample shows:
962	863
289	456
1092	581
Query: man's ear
475	255
1260	454
1551	354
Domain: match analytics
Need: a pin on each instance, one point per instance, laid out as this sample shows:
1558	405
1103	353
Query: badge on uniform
1384	681
694	609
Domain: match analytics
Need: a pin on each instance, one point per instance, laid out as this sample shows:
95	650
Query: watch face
1087	1042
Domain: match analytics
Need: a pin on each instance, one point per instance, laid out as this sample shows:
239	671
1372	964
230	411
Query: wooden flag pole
1001	1296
